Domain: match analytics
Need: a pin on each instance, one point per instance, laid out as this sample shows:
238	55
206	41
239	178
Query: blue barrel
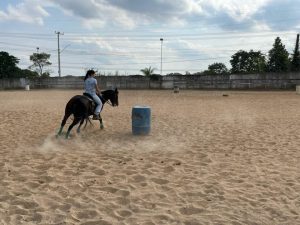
141	120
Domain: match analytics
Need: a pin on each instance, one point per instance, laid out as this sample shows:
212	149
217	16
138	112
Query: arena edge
283	81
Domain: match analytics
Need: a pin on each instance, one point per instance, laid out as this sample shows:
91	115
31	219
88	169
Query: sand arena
209	160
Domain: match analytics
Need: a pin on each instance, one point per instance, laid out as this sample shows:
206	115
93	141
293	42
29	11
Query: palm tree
148	71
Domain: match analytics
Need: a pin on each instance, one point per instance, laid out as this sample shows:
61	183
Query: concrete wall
251	81
19	83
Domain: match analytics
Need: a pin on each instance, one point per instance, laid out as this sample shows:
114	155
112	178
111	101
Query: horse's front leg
101	122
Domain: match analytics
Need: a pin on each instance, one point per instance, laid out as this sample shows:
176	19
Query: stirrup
96	117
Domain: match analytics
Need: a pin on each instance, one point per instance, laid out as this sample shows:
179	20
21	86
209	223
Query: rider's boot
96	117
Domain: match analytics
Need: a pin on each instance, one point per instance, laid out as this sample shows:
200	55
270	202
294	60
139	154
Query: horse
83	106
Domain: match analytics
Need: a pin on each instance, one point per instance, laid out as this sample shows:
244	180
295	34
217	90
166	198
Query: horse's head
112	96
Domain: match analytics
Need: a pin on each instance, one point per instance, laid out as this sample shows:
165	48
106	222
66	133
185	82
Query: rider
91	87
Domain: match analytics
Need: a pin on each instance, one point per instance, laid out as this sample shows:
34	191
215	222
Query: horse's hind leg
81	122
75	121
63	123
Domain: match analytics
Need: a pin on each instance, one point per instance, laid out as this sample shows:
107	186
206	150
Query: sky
121	37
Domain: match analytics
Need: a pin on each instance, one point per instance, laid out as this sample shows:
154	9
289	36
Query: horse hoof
101	127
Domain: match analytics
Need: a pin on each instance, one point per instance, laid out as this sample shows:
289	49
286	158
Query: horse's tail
71	108
79	107
68	112
72	105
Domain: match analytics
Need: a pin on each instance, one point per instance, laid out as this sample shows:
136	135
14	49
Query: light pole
161	41
58	52
240	58
37	50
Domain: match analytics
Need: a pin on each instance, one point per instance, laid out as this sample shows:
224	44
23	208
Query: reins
106	101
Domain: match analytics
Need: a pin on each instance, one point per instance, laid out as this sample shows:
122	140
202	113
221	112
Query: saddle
91	100
93	104
89	97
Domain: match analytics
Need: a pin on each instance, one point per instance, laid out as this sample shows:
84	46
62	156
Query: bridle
108	101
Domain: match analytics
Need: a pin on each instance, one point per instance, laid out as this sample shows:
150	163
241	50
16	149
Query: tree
40	60
295	62
257	62
278	58
8	65
45	74
238	62
28	73
148	71
248	62
217	69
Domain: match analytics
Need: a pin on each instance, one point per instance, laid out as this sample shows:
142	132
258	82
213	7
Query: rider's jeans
99	104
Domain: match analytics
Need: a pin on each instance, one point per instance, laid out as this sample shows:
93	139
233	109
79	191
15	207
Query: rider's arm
97	88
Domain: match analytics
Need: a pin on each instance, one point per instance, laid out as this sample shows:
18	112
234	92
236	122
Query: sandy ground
209	160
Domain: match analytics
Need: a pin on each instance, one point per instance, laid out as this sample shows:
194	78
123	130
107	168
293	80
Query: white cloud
129	13
28	11
93	23
236	9
124	34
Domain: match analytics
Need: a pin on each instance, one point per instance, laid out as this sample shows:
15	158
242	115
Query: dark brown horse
82	106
